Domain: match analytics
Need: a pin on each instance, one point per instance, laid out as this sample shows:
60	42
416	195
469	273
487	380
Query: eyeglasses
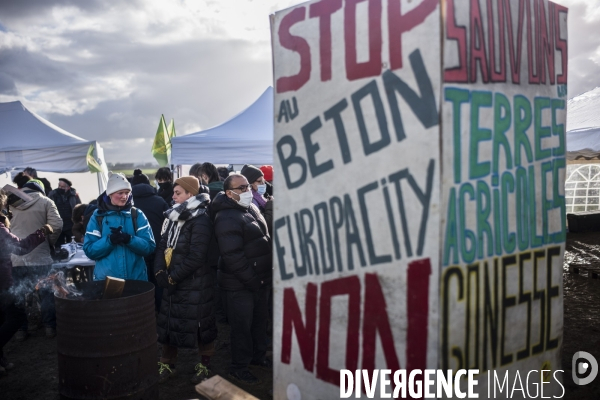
243	188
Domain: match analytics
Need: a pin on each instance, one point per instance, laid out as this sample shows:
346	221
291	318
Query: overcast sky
107	70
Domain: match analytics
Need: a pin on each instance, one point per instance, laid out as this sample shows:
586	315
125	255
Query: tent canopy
246	138
583	126
28	140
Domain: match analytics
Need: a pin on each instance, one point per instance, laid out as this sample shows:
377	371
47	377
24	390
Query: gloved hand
115	236
162	279
47	229
118	236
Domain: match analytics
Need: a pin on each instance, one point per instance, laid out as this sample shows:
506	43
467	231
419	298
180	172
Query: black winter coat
65	203
165	191
152	205
244	244
213	251
192	302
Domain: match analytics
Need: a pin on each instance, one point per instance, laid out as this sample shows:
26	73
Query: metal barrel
107	348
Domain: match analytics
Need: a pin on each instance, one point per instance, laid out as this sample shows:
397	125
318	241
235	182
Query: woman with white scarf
186	318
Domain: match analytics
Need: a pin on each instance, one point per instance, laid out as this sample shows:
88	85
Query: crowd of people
203	240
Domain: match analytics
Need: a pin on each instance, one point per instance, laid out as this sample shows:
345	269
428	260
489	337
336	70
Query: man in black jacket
244	274
66	198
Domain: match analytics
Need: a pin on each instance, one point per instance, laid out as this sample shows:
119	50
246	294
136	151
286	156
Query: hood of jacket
35	196
222	202
216	185
143	190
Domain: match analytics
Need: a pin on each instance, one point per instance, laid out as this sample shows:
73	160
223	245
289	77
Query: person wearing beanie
181	269
66	198
260	197
118	235
268	171
139	177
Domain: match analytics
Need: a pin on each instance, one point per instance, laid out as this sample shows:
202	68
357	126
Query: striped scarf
176	216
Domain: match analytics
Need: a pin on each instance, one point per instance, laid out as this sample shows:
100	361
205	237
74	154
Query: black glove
118	236
125	238
162	279
115	236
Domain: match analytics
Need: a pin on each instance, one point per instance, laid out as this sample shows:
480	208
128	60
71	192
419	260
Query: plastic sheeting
28	140
246	138
583	126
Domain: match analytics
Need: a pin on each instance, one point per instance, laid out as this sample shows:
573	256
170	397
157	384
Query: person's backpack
134	215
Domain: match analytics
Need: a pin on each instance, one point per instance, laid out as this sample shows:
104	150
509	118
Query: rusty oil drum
107	348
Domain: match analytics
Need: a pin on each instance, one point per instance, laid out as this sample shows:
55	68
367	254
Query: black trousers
12	318
247	313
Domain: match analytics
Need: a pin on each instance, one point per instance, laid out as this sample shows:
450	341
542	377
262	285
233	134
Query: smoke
58	284
54	281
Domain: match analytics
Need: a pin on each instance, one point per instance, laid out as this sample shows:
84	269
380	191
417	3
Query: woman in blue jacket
113	239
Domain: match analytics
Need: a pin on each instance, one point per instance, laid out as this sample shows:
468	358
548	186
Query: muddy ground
35	374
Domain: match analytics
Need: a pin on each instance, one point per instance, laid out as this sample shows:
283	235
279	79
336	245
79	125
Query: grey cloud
17	9
584	43
7	85
33	68
196	83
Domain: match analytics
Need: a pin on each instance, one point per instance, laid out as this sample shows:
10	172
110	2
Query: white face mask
261	189
245	198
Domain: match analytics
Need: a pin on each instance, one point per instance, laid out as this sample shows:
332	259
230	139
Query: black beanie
139	177
251	173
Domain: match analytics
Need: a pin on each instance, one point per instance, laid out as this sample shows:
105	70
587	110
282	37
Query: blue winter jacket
124	261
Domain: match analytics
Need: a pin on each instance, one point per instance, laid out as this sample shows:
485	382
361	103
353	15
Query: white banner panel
503	205
357	172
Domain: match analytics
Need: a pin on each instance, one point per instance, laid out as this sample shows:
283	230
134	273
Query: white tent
246	138
28	140
583	126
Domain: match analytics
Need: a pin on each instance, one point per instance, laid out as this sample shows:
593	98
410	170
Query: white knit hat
116	182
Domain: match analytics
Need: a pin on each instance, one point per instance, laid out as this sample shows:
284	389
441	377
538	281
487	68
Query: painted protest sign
503	214
357	166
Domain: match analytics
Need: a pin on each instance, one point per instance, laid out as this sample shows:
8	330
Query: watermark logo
584	363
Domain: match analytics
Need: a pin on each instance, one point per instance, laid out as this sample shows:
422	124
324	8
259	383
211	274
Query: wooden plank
219	388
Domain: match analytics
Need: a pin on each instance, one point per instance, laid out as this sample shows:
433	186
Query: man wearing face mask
66	198
244	275
260	197
164	184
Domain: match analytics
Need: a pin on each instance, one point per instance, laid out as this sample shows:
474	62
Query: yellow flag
161	148
171	129
92	164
